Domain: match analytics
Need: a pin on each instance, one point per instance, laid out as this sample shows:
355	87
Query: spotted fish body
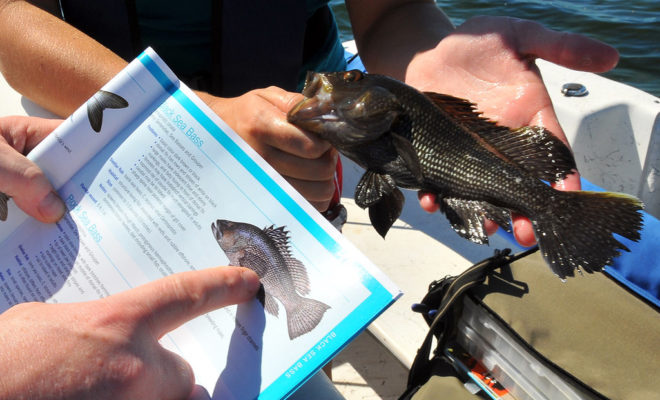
266	252
439	144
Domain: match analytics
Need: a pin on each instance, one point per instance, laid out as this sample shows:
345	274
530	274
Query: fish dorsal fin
533	148
297	269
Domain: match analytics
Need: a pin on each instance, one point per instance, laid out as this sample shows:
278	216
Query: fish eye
352	76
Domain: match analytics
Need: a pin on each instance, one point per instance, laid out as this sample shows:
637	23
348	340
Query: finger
570	183
171	301
317	193
281	98
24	181
523	230
21	178
491	227
24	133
199	393
570	50
322	168
428	202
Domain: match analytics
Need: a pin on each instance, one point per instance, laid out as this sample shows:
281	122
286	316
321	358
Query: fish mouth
317	107
218	227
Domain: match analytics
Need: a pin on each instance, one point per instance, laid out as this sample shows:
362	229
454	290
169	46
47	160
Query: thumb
26	184
570	50
171	301
281	98
21	179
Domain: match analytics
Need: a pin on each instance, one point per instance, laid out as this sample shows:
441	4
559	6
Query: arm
49	61
487	60
390	33
108	348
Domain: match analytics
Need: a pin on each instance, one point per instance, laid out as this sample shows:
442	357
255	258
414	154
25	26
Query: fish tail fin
577	231
99	102
304	317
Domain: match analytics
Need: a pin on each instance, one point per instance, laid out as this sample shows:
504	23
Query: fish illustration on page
284	278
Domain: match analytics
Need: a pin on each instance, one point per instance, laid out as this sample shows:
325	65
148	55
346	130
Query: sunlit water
632	27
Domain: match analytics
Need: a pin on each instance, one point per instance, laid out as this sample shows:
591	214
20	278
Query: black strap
216	44
442	298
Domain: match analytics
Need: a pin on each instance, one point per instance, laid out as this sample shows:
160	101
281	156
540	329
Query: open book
155	184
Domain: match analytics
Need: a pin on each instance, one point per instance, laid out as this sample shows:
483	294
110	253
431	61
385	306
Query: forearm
49	61
389	38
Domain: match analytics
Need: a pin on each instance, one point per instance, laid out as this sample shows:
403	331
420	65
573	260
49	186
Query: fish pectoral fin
467	217
379	193
407	152
383	213
372	187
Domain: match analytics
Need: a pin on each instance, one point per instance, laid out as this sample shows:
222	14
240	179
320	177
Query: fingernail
52	207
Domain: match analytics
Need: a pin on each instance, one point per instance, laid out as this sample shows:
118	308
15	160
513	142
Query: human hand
490	61
20	178
305	161
108	348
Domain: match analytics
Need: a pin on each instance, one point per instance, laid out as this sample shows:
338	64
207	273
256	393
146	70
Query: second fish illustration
266	251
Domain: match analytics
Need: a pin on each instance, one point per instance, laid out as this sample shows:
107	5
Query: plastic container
525	375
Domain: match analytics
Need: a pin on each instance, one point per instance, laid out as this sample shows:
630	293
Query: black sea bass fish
440	144
266	252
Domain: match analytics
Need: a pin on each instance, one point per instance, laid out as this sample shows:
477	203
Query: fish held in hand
266	252
439	144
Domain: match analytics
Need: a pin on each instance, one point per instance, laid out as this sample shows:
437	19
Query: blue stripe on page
355	322
167	84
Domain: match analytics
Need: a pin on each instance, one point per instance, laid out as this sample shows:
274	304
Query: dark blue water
632	27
